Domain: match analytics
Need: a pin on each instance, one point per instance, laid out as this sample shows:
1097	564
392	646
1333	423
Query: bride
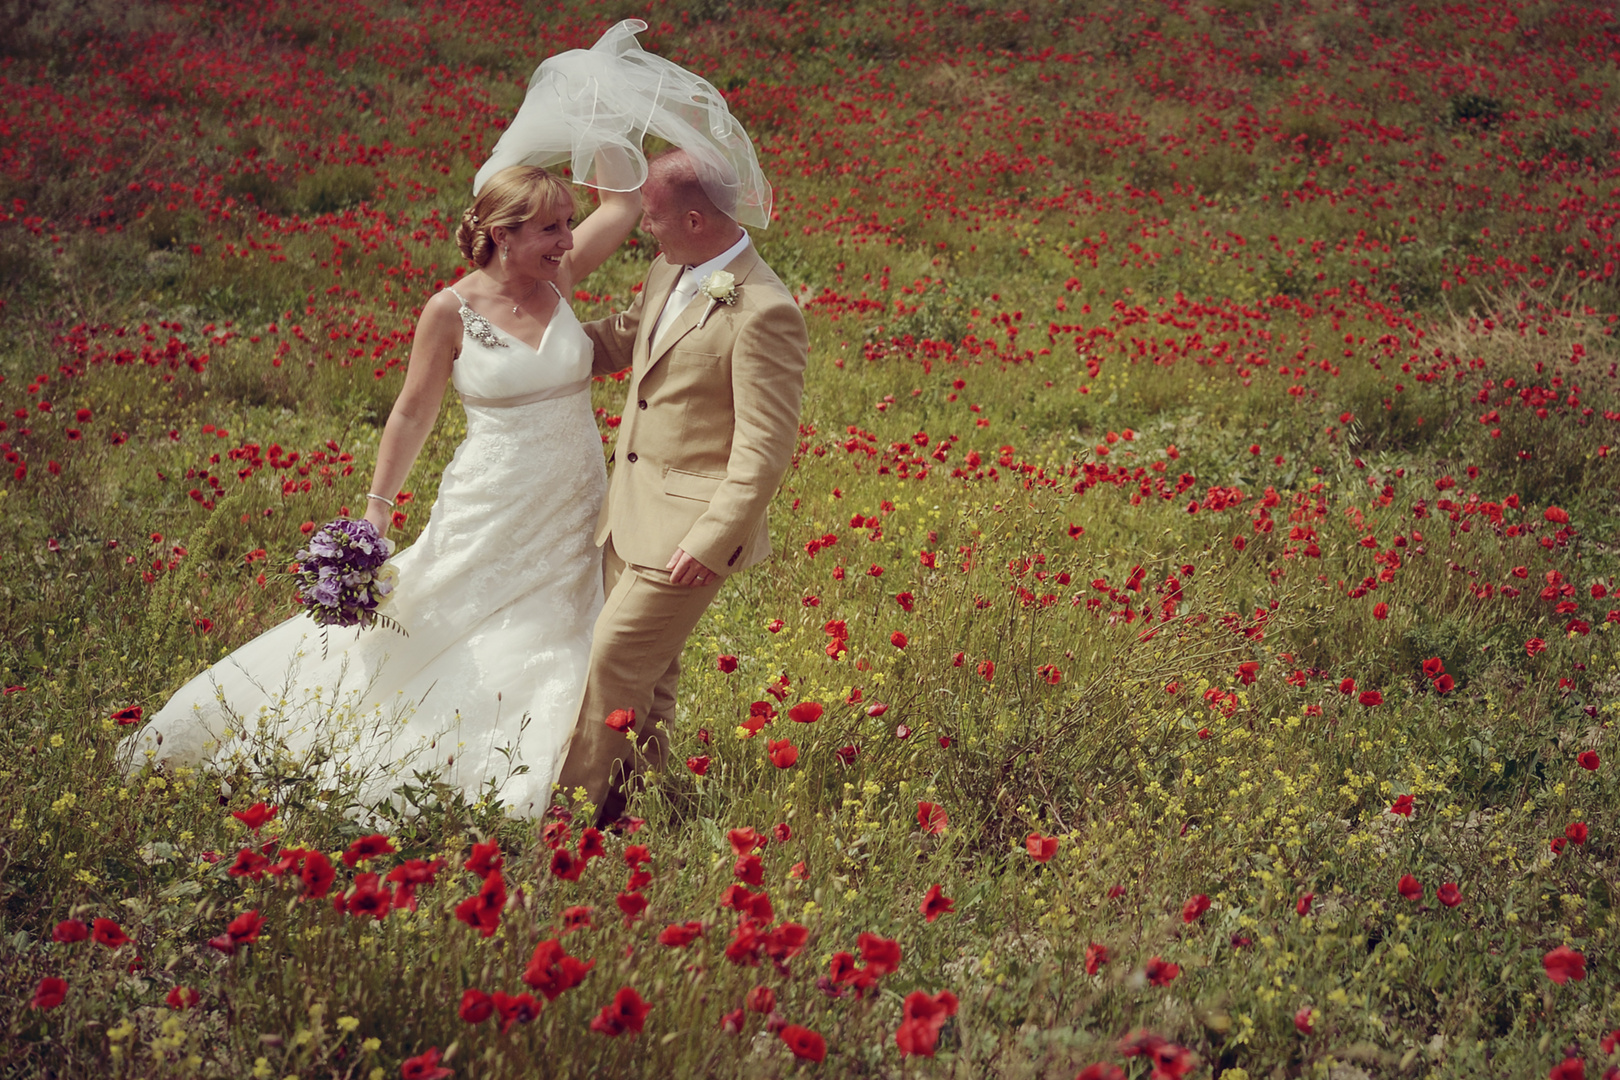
498	596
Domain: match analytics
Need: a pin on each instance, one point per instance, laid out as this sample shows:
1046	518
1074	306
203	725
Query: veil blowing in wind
590	109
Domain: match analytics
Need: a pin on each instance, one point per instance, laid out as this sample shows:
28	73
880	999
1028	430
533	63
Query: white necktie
685	288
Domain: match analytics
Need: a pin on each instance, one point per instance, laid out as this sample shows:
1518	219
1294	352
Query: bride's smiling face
538	245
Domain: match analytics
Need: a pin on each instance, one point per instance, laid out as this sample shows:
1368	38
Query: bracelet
379	498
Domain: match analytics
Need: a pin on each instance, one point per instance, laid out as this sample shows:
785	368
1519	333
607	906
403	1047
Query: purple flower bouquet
342	575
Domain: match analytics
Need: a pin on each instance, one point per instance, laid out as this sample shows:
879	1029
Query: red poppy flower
1557	844
1170	1061
1556	514
108	933
1040	848
882	955
1576	832
1448	894
627	1012
254	816
782	831
1380	611
698	764
1347	686
1101	1071
1303	906
182	998
1371	698
482	910
49	993
552	971
680	935
633	905
621	720
590	844
936	903
1096	958
898	640
1402	806
317	874
1160	973
1433	667
1588	759
636	854
1564	964
69	931
244	929
476	1006
1248	672
1304	1021
727	664
249	864
1444	684
485	858
367	847
1535	645
130	714
565	866
922	1017
732	1022
782	753
761	999
369	897
805	712
987	670
932	818
424	1066
1194	907
1573	1068
1409	887
514	1009
804	1043
847	754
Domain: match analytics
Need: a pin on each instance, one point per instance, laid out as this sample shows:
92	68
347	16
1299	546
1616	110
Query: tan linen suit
709	430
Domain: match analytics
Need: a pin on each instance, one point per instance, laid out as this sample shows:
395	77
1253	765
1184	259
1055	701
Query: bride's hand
380	516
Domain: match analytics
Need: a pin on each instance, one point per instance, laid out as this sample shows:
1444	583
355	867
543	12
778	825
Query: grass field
1201	548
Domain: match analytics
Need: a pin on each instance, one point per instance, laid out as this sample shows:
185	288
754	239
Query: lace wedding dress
497	597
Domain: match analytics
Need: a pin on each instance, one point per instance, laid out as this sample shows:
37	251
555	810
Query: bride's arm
600	234
433	352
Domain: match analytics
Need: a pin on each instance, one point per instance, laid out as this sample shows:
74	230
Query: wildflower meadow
1189	645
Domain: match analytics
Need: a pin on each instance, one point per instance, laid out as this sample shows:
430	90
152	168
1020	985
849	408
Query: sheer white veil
591	108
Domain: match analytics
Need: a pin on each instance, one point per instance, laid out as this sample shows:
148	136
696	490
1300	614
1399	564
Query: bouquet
343	576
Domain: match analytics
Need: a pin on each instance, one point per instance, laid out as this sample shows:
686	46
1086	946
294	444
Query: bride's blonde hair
511	197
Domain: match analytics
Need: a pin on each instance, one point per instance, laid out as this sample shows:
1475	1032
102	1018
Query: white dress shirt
686	287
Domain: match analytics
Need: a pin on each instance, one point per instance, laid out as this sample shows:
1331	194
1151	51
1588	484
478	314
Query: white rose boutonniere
720	287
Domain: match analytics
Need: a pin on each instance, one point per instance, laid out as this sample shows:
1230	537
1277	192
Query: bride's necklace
530	296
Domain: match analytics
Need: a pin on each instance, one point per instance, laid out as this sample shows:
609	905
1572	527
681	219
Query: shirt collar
719	262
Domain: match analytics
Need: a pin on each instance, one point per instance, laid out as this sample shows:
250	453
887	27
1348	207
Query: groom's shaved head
678	212
676	173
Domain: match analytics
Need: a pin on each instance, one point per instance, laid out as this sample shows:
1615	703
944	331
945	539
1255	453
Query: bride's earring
505	251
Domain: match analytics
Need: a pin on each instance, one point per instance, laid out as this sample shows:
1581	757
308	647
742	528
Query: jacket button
630	457
642	404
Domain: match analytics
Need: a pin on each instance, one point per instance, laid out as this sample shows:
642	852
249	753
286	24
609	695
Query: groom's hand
685	570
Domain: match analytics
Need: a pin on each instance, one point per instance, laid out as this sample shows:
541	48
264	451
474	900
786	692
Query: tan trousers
635	664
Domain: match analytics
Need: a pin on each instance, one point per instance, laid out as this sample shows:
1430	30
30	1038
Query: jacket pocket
693	358
690	485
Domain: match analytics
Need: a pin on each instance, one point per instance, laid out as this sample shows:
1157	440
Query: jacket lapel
697	312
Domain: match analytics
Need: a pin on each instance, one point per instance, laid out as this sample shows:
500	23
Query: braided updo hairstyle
511	197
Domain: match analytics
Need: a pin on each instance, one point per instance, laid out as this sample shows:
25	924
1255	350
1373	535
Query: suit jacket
711	421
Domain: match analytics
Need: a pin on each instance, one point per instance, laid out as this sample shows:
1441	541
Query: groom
709	429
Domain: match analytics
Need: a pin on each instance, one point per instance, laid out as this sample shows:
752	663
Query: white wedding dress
497	596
